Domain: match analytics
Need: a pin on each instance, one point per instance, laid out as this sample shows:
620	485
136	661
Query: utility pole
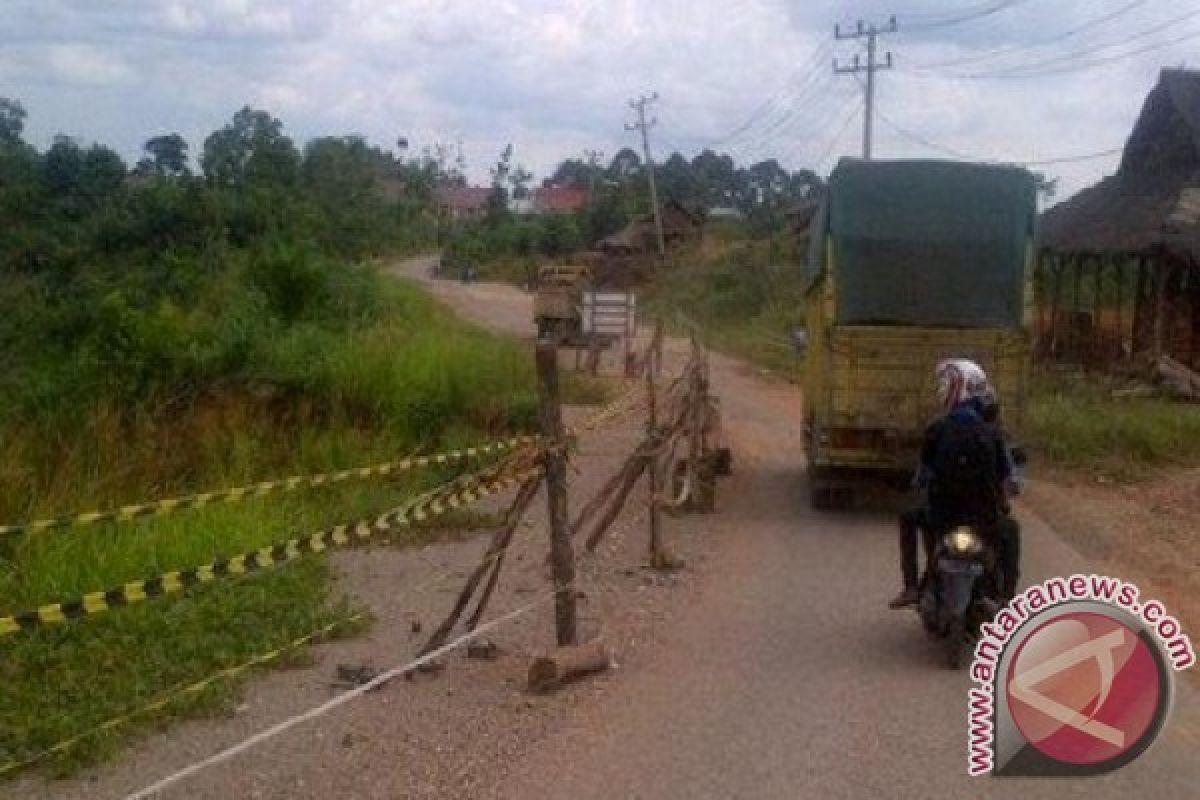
593	162
871	34
639	106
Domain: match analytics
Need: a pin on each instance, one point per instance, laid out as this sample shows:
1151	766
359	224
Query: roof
463	198
559	198
1144	208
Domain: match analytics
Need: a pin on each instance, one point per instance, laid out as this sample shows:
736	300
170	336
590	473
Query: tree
81	177
252	150
12	120
498	199
167	155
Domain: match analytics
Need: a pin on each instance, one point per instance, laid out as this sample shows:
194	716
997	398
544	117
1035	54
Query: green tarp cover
928	242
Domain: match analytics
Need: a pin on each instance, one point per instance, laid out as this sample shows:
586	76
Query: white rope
331	704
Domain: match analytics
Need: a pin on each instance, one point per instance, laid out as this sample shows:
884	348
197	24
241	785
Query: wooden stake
652	437
561	554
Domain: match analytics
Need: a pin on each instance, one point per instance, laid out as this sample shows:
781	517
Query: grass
745	296
1075	424
315	399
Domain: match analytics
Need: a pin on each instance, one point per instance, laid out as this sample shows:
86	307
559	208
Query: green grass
746	297
313	399
1076	424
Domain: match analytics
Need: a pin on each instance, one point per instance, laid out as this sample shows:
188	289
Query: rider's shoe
906	598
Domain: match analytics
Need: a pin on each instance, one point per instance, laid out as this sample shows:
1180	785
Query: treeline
761	194
135	283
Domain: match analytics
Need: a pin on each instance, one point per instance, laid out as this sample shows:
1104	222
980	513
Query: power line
765	107
986	11
1017	48
1098	62
922	140
841	129
1037	67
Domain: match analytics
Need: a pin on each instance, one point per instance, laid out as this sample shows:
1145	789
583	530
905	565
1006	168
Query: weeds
1076	423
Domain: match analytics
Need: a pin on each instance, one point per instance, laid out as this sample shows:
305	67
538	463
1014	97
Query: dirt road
769	668
788	677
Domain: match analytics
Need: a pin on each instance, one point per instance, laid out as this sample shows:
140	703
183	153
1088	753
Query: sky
1035	80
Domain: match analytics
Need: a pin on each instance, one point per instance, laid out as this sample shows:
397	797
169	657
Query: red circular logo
1085	689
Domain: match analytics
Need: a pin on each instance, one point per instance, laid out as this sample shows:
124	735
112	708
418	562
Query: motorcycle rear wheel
956	643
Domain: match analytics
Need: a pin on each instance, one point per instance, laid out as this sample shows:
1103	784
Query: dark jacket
951	501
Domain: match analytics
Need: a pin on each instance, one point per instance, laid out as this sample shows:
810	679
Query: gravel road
769	668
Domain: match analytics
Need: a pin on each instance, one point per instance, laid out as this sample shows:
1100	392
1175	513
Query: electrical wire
986	11
1038	67
1019	48
855	108
932	145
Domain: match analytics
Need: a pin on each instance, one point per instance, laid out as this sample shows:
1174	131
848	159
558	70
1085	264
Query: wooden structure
1121	276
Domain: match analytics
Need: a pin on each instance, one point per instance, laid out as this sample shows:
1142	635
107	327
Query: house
463	202
680	225
559	199
550	200
1145	219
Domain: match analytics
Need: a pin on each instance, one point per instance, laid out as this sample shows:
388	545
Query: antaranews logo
1074	677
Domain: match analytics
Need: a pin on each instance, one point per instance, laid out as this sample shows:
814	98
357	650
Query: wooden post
1119	272
561	554
1142	310
1055	302
1194	287
652	436
1160	310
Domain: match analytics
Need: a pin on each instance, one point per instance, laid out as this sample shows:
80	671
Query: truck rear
911	262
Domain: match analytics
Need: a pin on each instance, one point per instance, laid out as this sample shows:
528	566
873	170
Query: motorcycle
961	590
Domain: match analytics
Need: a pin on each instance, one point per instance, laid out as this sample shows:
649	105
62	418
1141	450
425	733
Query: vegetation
1077	424
168	332
510	247
746	296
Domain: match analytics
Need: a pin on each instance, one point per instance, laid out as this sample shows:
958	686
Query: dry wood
565	664
1177	378
629	476
491	558
561	553
516	513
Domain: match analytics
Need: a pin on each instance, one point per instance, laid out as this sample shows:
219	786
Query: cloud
84	64
553	76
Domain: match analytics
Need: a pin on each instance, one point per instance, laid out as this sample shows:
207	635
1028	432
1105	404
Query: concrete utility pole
870	33
593	162
639	106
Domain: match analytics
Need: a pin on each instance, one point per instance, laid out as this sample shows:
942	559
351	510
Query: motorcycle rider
976	491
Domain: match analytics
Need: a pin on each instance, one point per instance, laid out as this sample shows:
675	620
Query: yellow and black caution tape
291	484
458	494
176	693
624	404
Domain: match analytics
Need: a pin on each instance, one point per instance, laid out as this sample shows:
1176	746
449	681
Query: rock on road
789	677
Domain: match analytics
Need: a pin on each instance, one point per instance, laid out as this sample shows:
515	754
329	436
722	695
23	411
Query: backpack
965	477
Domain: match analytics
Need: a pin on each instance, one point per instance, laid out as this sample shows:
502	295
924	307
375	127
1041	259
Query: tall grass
314	396
746	296
1077	424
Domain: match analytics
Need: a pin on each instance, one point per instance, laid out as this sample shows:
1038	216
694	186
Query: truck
910	263
557	305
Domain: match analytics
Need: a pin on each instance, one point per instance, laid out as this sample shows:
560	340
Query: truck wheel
821	492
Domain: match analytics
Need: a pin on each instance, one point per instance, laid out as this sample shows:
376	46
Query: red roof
559	198
464	198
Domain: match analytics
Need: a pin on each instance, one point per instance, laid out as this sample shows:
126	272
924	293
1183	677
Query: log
1178	379
565	664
